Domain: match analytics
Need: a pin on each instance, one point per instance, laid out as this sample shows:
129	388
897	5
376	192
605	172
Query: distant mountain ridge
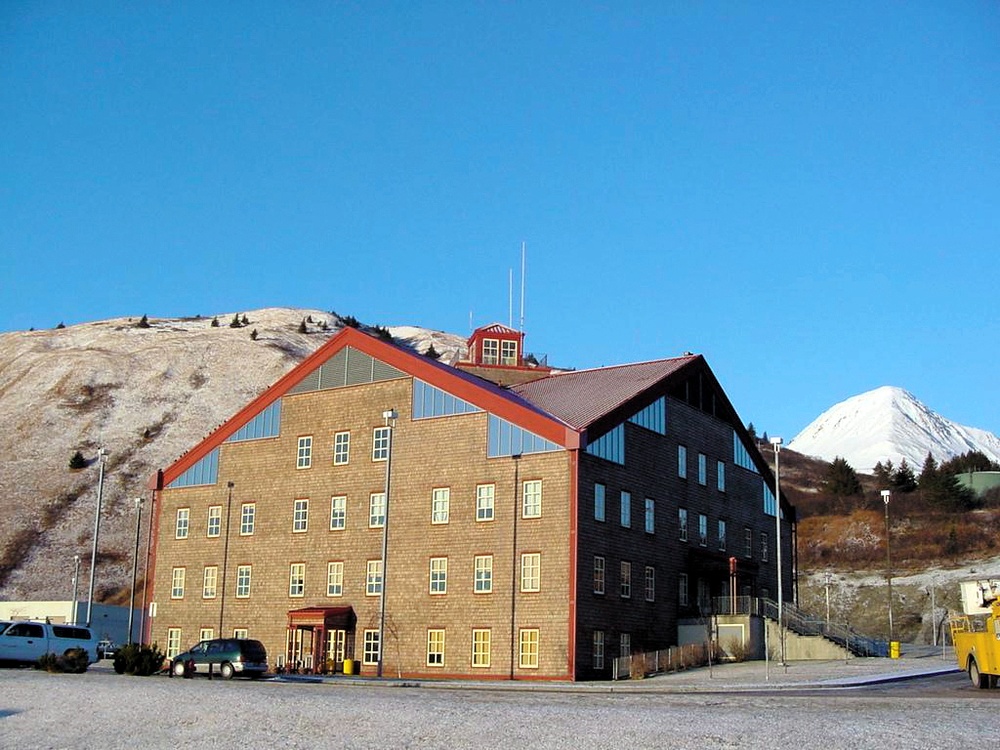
889	423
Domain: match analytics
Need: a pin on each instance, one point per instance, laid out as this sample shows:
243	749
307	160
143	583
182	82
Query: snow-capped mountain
889	423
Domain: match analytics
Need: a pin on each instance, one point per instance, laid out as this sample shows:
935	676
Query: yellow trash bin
893	649
348	666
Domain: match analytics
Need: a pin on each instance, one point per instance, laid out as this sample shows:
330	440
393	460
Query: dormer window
508	353
491	351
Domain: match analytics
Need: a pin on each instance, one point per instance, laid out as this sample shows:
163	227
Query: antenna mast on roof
522	286
510	297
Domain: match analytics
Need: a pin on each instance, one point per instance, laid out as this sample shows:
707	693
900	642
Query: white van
26	642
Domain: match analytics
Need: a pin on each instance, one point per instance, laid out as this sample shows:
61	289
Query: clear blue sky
806	193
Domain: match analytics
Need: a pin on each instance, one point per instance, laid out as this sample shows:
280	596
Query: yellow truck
976	632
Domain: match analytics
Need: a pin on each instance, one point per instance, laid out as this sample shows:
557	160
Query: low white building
107	620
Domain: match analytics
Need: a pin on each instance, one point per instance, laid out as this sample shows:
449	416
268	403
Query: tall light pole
776	444
135	566
389	415
102	456
76	579
828	578
225	557
145	567
886	494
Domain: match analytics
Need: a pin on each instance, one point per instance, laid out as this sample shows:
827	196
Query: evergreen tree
143	323
235	323
841	479
903	479
245	321
432	353
752	431
215	322
253	335
883	475
61	325
968	462
929	473
350	322
77	461
302	327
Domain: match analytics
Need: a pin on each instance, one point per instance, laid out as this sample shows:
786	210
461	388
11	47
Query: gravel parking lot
103	710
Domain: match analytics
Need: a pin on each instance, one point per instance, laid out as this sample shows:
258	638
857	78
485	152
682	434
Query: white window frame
650	516
376	510
371	648
528	648
173	642
297	580
650	580
625	580
303	454
682	524
244	576
531	499
248	518
380	443
748	542
182	524
481	647
438	576
625	512
210	582
600	502
435	647
373	578
213	528
720	475
206	634
763	546
485	502
702	469
600	574
491	351
241	633
598	649
177	580
683	586
624	644
721	526
482	566
702	530
682	461
440	505
300	515
508	353
338	512
335	578
531	572
341	448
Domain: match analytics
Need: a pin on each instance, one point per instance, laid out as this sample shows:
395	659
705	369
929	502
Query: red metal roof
582	397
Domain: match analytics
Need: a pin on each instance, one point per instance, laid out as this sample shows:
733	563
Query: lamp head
885	496
389	414
776	442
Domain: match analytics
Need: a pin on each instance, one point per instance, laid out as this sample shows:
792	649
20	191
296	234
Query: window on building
598	650
599	491
338	512
335	578
481	638
248	512
435	648
702	530
380	443
485	495
173	642
214	520
183	523
300	516
625	580
650	583
722	535
720	475
483	582
747	542
626	510
650	515
304	455
682	461
682	589
341	448
241	633
528	651
763	546
625	644
376	510
491	351
373	578
531	571
371	648
206	634
243	573
177	583
702	469
682	524
440	505
531	506
508	353
599	574
297	579
210	582
439	575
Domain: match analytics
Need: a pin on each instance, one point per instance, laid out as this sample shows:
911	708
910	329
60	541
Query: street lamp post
102	456
776	444
828	578
76	580
135	566
886	494
389	415
225	557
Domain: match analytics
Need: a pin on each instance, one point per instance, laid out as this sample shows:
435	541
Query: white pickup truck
26	642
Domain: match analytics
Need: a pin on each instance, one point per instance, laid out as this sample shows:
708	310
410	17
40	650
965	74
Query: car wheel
981	681
178	668
226	670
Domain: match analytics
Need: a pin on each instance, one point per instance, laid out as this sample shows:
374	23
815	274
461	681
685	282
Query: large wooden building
530	530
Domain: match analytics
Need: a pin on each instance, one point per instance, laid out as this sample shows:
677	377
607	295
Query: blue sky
805	193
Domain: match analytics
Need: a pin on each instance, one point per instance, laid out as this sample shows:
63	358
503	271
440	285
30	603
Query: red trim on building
574	505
